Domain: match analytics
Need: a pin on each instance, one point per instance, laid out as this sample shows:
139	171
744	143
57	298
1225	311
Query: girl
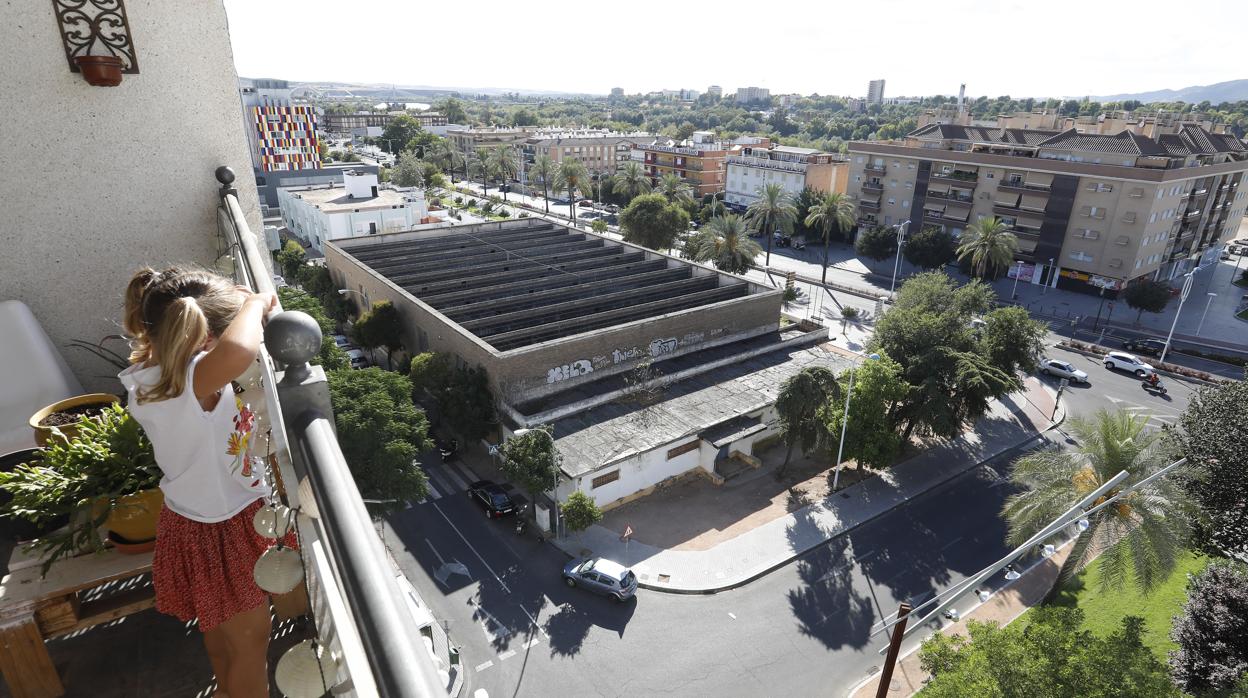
193	333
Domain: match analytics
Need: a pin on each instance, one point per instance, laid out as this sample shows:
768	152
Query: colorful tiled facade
285	137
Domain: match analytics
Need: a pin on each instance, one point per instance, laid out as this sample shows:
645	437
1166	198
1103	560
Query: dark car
493	498
1152	347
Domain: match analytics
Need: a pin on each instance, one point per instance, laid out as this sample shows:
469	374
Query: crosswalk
447	479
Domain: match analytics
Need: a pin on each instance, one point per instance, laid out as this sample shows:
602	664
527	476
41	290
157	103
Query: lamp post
840	448
1098	311
1183	294
1048	281
901	239
554	518
1201	326
1018	271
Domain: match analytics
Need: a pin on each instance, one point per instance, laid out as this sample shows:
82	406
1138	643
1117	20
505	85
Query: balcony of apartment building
875	168
1031	183
872	186
767	163
87	627
958	174
869	204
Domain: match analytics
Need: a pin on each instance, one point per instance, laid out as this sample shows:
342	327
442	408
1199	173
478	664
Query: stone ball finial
292	337
225	175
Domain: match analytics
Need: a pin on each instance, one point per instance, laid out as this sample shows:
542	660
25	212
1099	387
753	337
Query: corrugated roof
980	134
1121	143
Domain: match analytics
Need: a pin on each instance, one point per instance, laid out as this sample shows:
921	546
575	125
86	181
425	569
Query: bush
524	214
503	214
849	312
459	200
580	512
790	294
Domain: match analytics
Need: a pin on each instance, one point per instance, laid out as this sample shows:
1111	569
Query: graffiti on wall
621	355
661	347
579	367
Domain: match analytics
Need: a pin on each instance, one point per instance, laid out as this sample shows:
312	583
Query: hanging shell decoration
279	570
306	670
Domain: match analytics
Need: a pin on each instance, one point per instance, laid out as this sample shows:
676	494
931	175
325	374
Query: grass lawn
1103	611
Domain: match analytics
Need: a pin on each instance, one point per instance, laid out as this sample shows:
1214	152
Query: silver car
1063	369
601	577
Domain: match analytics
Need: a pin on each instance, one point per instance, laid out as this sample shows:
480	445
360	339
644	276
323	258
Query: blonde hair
169	315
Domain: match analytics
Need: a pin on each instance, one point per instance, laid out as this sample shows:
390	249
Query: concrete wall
102	180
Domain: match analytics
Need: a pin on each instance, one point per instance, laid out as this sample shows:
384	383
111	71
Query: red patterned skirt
205	570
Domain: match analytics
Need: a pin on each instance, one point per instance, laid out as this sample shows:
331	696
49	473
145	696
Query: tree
1051	657
1147	294
1212	437
650	221
1011	340
685	131
572	177
531	459
580	512
930	248
291	259
1142	533
469	403
876	243
449	158
543	171
674	189
479	165
772	210
599	226
330	356
870	439
453	111
1212	630
429	176
381	434
503	165
398	132
807	198
725	243
318	282
431	375
989	245
524	117
631	181
407	171
833	215
801	397
380	327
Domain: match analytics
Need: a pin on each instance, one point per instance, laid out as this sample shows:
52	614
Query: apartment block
875	92
792	168
599	150
715	91
617	92
753	94
701	161
1096	210
469	139
282	135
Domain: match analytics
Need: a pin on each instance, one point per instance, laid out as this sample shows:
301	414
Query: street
813	622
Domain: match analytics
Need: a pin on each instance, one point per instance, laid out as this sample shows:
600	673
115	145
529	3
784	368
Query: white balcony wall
100	180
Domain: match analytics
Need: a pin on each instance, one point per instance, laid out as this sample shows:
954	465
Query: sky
996	47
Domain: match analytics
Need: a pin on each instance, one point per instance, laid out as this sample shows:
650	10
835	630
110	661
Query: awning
940	188
734	429
1029	220
1007	198
1040	179
1035	202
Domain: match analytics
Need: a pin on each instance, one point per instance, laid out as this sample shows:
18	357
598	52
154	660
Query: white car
342	341
1131	363
357	358
1063	369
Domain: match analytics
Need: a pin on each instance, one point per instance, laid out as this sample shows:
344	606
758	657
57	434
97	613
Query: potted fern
104	478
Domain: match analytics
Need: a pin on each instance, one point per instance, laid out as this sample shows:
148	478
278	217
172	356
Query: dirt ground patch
697	515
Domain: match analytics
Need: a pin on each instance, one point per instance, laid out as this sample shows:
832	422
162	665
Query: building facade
792	168
1090	211
282	135
875	92
753	94
701	161
715	91
469	139
358	206
598	150
617	92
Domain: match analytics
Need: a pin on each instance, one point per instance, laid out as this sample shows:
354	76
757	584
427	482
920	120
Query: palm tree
503	164
725	243
833	213
632	180
479	164
989	244
675	189
572	177
448	157
797	405
543	170
772	210
1144	532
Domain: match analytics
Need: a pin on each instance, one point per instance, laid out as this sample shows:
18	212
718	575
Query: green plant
109	457
849	312
98	349
580	512
790	294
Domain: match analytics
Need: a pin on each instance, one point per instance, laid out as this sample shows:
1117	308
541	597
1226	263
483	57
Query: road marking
474	552
732	615
485	665
451	474
506	655
433	492
955	540
534	641
444	486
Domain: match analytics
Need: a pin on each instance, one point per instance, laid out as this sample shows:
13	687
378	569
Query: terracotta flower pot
44	434
101	71
133	516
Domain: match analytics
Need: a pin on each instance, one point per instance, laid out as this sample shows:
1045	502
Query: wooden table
35	609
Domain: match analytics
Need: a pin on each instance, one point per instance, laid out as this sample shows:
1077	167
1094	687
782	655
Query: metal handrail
375	605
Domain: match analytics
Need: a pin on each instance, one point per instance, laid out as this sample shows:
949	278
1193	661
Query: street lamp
1183	294
1047	280
1201	326
554	520
1018	271
901	240
840	448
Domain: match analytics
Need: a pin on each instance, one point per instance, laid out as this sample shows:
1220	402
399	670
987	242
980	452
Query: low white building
792	168
358	206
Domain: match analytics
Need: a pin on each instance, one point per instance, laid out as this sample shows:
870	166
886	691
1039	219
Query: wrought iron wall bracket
96	28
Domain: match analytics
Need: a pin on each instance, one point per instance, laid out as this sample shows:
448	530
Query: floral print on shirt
237	443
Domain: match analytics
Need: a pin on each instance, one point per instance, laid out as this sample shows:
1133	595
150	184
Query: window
905	204
991	175
1153	217
605	479
1081	256
683	449
1101	187
1087	234
891	201
909	185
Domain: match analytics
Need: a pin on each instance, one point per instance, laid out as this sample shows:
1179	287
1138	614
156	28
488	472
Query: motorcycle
448	449
1151	387
521	524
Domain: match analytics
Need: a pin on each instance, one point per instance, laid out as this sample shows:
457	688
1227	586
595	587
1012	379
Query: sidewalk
1002	607
1011	423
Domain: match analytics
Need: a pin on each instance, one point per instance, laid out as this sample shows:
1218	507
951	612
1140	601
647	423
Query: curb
1053	424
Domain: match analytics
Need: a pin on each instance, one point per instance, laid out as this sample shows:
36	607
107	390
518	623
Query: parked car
1063	369
601	576
357	358
342	341
585	202
560	202
279	282
1122	361
492	497
1152	347
612	208
1226	254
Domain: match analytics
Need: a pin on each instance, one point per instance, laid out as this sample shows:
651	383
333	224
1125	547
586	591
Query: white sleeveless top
208	474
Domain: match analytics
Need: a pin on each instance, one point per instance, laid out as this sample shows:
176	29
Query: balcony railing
869	205
950	198
878	169
957	175
767	164
360	612
1024	186
873	186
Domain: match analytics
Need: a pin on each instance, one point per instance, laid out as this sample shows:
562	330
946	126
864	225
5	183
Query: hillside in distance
1229	91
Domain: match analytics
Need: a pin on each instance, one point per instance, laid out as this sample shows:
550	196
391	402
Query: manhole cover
665	578
845	495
